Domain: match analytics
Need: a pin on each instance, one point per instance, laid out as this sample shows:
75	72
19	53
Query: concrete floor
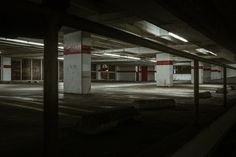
158	131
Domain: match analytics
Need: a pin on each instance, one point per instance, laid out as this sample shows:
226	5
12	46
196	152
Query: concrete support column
50	88
164	69
31	70
201	72
98	71
216	72
6	68
225	85
77	63
196	90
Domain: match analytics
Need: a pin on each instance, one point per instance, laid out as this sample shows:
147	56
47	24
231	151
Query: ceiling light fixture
130	57
177	37
205	51
153	60
60	58
110	54
97	55
28	42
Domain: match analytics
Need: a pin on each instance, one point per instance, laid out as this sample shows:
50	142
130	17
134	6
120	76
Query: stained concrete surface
161	131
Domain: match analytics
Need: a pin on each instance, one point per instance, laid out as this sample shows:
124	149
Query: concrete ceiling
148	19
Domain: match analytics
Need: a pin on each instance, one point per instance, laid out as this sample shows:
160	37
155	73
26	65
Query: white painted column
31	70
98	71
206	73
6	68
164	70
201	72
41	69
77	63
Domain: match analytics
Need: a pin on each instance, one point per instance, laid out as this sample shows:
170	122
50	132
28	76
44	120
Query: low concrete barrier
232	87
204	95
152	104
101	121
203	144
220	90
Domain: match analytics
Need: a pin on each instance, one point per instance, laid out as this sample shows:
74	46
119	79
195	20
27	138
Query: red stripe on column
206	69
6	66
85	49
165	62
215	70
69	51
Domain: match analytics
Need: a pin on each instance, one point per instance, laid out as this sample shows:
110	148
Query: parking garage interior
117	78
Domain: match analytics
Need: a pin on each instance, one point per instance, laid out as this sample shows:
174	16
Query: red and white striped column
216	72
201	72
164	70
77	63
6	68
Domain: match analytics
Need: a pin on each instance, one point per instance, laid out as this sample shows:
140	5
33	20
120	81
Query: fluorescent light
61	47
186	51
153	60
130	57
110	54
120	56
28	42
178	37
97	55
60	58
205	51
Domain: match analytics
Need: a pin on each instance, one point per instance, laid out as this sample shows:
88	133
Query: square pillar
164	70
6	68
201	72
98	71
77	63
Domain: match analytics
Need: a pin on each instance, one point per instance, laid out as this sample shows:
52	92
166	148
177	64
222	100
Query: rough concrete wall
125	73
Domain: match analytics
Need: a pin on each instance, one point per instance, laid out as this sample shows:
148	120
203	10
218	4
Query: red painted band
6	66
215	70
206	69
83	50
164	63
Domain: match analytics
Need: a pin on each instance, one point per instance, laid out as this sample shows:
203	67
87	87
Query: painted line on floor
41	104
37	109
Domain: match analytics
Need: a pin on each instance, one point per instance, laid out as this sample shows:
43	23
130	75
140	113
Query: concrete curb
204	142
153	104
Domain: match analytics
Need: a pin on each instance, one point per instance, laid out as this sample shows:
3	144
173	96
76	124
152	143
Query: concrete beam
80	23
